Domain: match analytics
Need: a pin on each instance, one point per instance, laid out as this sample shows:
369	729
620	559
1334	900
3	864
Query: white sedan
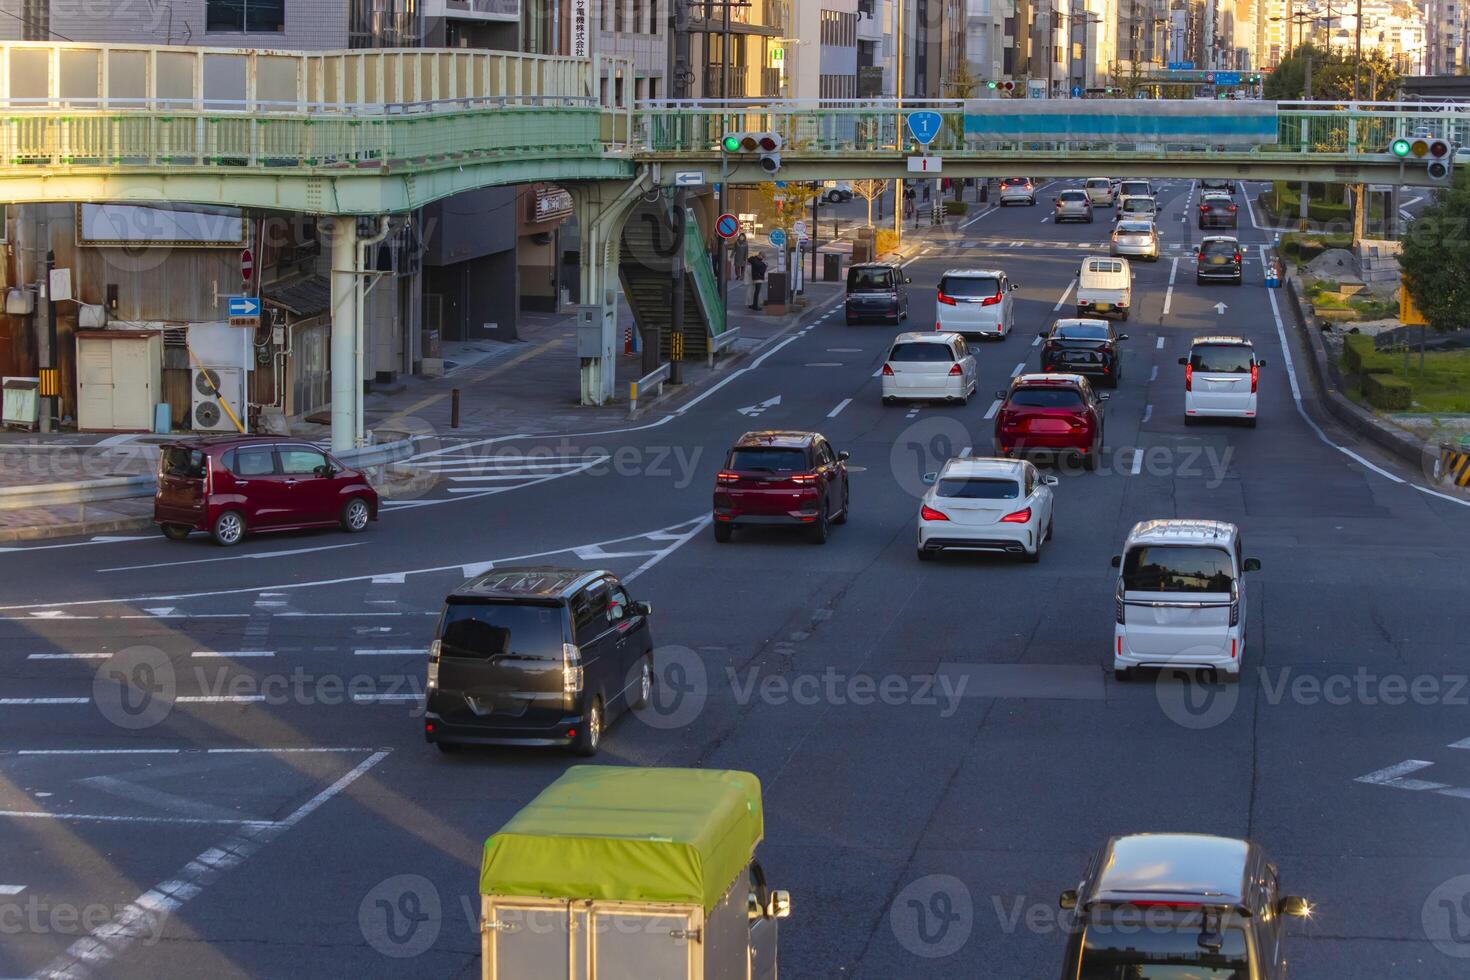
929	366
985	504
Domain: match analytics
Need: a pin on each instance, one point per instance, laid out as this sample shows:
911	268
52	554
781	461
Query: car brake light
991	300
726	476
1204	209
434	651
208	476
1118	605
571	668
946	300
1237	256
888	370
1232	209
803	478
930	514
955	371
1189	377
1255	377
1019	517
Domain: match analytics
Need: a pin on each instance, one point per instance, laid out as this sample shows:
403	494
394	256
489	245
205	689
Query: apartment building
762	48
826	59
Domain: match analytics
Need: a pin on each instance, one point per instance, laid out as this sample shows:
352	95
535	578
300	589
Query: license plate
1218	260
1102	306
1047	425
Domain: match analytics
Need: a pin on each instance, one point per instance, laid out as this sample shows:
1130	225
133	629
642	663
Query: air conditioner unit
206	413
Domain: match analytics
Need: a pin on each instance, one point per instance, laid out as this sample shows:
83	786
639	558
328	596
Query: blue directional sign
925	126
778	238
1181	66
244	306
1076	91
1227	78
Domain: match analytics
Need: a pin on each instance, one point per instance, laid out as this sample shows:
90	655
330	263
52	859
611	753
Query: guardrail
656	378
719	343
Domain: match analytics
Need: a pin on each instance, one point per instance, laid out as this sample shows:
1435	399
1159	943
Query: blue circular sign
778	237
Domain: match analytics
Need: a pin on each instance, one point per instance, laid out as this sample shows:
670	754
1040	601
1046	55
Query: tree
1436	256
869	189
1332	76
783	207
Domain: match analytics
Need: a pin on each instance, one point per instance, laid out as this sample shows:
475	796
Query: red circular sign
728	225
247	264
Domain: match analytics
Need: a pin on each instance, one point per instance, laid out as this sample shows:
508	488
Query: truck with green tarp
623	873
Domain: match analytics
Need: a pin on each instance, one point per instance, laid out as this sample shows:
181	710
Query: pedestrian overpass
375	132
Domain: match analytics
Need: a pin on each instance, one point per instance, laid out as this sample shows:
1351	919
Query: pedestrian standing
742	255
757	278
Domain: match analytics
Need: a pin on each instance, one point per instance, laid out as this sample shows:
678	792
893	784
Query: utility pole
898	39
722	272
1303	212
1357	50
51	415
679	77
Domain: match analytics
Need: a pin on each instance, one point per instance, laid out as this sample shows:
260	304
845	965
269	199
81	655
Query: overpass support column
602	208
346	333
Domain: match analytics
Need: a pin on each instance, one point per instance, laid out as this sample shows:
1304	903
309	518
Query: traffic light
768	145
1440	161
990	85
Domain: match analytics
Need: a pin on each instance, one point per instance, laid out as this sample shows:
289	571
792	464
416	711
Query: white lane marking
1148	412
1036	342
239	557
1168	299
11	889
99	751
1173	269
226	751
977	217
678	543
749	367
1463	743
68	656
1019	368
1154	375
392	578
488	479
385	698
1065	293
400	652
840	406
878	373
1137	466
118	818
79	544
1046	219
144	916
1160	345
231	654
994	407
965	452
219	698
23	702
1393	776
502	464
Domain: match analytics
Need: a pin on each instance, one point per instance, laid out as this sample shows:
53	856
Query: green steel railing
706	287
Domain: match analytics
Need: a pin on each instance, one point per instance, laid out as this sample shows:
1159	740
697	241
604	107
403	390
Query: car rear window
1177	568
969	286
1135	227
1099	182
921	353
183	463
1137	187
1104	265
869	280
1138	204
1218	200
1135	951
1073	195
1081	331
979	488
1218	247
1048	397
485	630
769	460
1222	358
1016	181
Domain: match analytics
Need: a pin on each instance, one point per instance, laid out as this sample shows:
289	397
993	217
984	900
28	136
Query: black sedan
1218	260
1083	346
1217	211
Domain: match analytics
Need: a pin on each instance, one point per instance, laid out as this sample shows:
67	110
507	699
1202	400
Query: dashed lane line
840	406
994	407
1065	293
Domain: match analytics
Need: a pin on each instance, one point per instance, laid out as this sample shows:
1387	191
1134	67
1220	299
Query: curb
74	529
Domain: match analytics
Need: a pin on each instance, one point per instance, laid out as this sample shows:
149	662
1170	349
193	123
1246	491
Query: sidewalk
528	386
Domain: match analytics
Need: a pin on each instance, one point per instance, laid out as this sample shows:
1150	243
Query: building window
247	16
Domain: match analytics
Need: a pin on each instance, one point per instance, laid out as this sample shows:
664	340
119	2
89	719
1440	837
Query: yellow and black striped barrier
1454	465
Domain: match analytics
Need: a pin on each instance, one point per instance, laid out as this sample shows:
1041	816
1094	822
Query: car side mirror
1183	360
1122	336
1293	905
1117	561
930	479
1260	362
1042	333
1104	396
1067	900
1252	565
1015	286
1050	480
908	279
640	608
324	471
844	456
1001	394
780	904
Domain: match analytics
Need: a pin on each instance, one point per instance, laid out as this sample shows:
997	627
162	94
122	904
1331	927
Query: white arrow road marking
1220	308
392	578
1393	776
11	889
753	410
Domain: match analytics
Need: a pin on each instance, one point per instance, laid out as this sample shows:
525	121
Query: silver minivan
1180	600
975	302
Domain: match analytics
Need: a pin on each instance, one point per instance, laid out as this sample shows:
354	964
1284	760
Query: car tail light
946	300
1019	517
803	478
1232	209
1255	377
928	513
1204	209
1118	605
1234	607
1237	256
1078	421
991	300
1189	377
888	370
433	679
571	668
727	477
955	371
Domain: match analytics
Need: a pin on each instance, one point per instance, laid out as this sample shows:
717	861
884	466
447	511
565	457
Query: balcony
500	11
713	80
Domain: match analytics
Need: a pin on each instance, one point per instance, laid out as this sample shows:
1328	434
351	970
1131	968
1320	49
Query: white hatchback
975	302
982	504
1222	376
1101	191
930	366
1179	600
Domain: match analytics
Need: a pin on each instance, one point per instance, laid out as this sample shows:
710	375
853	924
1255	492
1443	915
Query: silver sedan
1138	238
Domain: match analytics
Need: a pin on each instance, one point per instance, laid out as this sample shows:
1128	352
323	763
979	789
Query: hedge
956	207
1357	349
1387	392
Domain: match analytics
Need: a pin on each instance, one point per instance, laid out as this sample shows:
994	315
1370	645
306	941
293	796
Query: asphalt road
273	810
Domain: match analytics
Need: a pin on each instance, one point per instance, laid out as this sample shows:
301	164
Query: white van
1179	600
1104	287
1221	378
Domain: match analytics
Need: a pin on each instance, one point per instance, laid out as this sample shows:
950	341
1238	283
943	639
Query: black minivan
877	291
537	656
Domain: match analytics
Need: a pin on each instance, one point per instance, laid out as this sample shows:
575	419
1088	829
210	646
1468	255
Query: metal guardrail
656	378
719	343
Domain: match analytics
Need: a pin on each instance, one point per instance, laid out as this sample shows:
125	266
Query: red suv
781	478
1052	414
236	485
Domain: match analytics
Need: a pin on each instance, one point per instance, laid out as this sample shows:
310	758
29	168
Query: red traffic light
769	142
1010	86
1438	148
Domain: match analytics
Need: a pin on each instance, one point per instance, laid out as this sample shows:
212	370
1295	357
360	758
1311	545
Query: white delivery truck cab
1104	287
621	872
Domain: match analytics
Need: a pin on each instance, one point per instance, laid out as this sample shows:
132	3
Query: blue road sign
925	126
1227	78
1076	91
244	306
780	184
778	238
1181	66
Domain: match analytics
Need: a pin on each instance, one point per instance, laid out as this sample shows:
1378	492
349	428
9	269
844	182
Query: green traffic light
1401	148
990	85
732	144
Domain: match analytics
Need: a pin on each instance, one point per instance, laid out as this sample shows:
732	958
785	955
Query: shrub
1357	350
885	241
956	207
1387	392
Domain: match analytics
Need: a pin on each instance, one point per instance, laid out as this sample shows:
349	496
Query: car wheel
963	399
846	505
1122	675
644	692
924	554
176	532
229	528
1032	557
1050	531
355	515
889	401
822	528
723	532
589	736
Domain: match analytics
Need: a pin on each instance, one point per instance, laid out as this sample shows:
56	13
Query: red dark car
238	485
1050	414
781	478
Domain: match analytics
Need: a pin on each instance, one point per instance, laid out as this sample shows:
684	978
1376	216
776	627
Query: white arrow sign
1220	308
754	410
